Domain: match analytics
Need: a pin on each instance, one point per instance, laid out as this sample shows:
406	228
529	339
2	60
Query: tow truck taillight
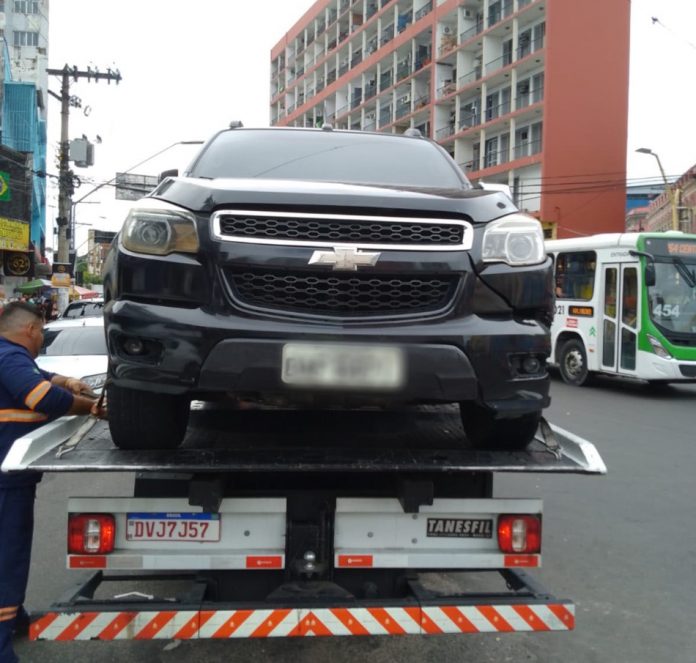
91	533
519	533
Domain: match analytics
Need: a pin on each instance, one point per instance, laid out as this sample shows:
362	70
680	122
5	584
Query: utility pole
65	175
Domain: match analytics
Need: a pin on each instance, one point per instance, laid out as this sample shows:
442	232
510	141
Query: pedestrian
29	397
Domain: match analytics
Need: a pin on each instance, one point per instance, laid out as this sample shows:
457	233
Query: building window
26	6
26	38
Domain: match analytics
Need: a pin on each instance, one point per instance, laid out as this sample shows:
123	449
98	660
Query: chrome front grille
299	229
342	295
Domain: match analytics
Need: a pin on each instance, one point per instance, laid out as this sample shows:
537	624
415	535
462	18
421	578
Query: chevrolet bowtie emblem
345	257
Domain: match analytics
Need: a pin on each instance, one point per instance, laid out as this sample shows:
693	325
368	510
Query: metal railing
503	61
529	47
423	11
385	116
421	101
386	80
470	77
496	158
445	132
493	112
527	149
468	118
403	70
475	29
448	87
403	108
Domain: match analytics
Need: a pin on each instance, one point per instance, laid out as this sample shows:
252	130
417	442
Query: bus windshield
672	300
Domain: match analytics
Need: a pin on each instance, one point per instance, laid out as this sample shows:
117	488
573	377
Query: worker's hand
100	411
77	386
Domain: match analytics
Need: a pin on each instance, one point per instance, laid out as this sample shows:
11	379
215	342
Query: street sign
131	186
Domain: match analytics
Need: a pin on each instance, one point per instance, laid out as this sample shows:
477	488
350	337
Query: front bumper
449	360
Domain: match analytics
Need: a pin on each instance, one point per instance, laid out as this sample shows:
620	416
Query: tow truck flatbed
322	523
426	440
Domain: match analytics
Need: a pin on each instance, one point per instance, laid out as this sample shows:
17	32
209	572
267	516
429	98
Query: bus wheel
573	363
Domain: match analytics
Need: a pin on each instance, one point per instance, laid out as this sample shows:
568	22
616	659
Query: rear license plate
351	366
173	527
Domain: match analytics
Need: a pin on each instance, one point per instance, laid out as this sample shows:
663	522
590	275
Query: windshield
74	341
84	310
673	297
329	156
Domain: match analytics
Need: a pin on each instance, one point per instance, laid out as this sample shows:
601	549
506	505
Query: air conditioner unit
406	99
447	30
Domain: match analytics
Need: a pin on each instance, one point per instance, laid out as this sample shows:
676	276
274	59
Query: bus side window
575	275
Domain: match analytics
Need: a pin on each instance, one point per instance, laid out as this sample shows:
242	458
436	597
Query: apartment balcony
356	60
527	149
386	80
468	118
447	88
370	125
370	91
421	101
471	32
528	47
445	132
470	77
331	77
342	110
498	63
404	21
343	69
423	11
385	116
496	111
403	70
497	158
422	62
403	108
371	11
356	100
470	166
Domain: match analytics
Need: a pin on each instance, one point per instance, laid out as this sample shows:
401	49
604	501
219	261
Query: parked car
317	267
76	348
83	308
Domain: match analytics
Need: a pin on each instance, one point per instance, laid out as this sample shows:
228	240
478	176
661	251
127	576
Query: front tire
486	432
572	363
145	420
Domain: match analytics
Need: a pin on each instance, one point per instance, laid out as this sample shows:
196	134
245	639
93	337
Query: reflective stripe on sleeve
22	416
36	394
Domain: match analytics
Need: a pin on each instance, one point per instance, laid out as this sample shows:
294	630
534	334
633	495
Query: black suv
317	267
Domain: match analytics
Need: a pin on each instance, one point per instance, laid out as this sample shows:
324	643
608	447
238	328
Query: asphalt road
622	546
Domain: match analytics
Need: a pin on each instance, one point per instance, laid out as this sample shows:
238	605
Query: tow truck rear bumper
526	607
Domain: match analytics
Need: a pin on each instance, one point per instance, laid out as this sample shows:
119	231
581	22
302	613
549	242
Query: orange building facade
528	93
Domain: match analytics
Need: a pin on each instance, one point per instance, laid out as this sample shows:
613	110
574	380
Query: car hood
73	366
207	196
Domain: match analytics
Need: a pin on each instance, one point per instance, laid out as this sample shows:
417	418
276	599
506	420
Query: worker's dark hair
16	314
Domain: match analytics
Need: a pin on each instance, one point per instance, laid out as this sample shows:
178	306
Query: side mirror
174	172
650	274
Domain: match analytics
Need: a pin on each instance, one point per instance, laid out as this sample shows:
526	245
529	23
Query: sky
190	68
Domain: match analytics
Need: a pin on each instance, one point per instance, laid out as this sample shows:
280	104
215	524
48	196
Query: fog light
133	346
531	365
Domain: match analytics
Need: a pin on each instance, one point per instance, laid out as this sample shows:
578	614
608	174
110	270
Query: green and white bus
625	306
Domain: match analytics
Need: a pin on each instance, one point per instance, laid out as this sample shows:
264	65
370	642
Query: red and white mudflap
299	622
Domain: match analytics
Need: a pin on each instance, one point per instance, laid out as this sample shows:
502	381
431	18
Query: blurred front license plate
330	365
173	527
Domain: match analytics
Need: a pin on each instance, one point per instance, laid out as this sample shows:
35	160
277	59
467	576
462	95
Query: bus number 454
666	311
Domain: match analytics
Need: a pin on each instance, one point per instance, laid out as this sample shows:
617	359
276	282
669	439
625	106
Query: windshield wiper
684	271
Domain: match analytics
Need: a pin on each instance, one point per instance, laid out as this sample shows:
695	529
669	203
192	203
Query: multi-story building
675	207
98	243
23	104
528	93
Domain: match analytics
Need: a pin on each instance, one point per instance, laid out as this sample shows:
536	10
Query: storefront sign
14	235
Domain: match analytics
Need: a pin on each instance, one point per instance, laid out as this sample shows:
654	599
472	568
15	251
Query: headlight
515	240
159	228
95	382
657	348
